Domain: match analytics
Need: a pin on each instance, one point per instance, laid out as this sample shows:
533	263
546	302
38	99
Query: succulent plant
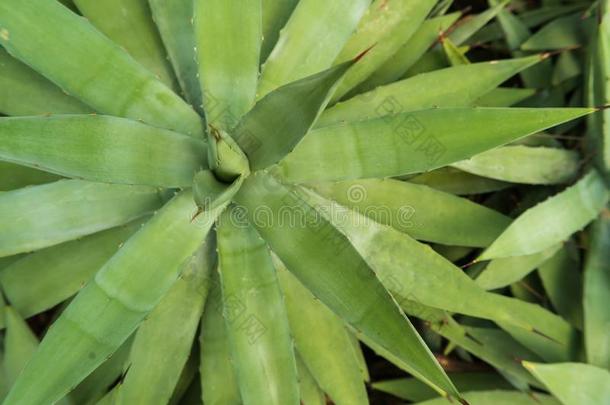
274	186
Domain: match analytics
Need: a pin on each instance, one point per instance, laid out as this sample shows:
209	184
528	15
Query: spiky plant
280	210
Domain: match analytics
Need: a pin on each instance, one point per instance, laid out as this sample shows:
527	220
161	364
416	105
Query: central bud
228	167
226	159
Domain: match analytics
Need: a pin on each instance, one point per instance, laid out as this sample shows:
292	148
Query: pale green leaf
553	220
31	93
412	142
70	209
383	30
110	308
353	293
327	353
419	211
574	383
91	67
427	90
255	316
130	25
228	37
311	40
45	278
163	342
102	148
173	19
596	294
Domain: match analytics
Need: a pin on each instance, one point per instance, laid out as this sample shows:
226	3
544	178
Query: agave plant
273	184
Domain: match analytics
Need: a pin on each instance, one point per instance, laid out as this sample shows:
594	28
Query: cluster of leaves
223	201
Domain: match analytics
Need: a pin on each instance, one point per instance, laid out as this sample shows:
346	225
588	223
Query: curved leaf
505	271
31	93
103	148
413	271
523	164
553	220
335	273
130	24
386	27
275	16
395	67
109	308
91	67
45	278
574	383
173	19
72	209
455	181
328	353
310	41
163	342
428	90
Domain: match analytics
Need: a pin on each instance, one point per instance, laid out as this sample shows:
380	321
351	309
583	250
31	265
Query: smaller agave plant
251	212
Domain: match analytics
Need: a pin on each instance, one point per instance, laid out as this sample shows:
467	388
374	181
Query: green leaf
327	353
109	308
256	319
31	93
275	16
395	67
456	56
278	122
564	32
43	279
386	27
228	37
72	209
163	342
335	274
218	381
470	25
500	398
102	148
98	382
504	97
553	220
130	25
14	176
505	271
573	383
428	90
596	294
455	181
20	343
311	394
311	41
515	33
413	390
173	19
419	211
411	270
91	67
429	138
563	285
